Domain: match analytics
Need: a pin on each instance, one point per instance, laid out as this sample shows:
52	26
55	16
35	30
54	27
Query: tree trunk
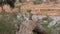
29	26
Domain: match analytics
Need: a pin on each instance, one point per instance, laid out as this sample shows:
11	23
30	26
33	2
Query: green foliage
6	28
52	0
37	1
29	14
29	10
6	23
55	29
55	1
22	1
10	2
45	21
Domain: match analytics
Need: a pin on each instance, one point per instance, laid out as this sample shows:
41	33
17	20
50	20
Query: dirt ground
41	9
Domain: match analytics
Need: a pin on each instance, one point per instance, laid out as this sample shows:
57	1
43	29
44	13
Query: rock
27	27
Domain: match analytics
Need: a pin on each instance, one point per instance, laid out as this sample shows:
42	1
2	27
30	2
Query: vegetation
45	21
53	29
52	0
6	23
9	2
55	1
37	1
29	14
22	1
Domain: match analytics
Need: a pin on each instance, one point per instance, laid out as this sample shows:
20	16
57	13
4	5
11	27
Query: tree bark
29	26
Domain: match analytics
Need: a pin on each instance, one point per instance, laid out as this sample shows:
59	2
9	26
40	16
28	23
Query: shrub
55	29
52	0
6	23
55	1
37	1
22	1
45	21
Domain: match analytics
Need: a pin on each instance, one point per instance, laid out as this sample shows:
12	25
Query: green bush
22	1
6	28
45	21
52	0
55	1
52	29
55	29
37	1
6	23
